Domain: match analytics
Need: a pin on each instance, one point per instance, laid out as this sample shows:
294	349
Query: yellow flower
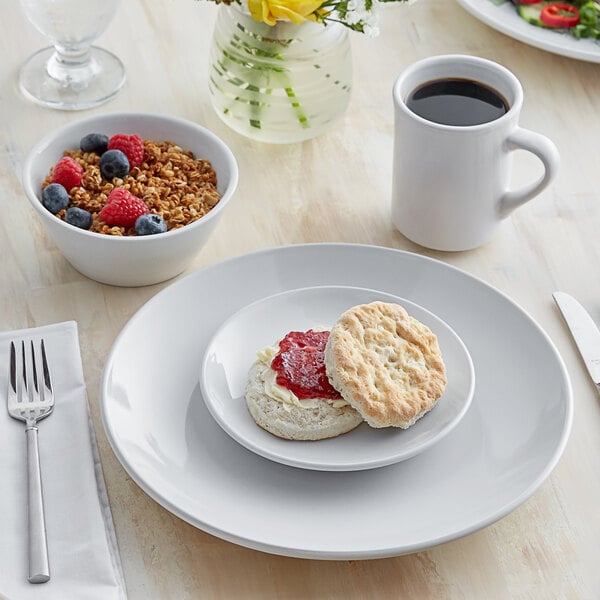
296	11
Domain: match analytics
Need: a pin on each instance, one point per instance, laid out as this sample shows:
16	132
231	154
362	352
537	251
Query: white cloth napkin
83	553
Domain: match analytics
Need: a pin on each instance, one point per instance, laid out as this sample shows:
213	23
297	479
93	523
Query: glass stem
72	67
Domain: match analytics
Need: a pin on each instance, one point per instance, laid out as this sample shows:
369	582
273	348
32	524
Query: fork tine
34	372
30	374
24	390
12	371
46	374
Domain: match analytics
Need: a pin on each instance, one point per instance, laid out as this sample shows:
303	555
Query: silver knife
585	332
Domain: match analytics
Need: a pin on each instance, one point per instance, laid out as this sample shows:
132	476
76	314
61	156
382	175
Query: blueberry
94	142
55	197
149	224
113	163
79	217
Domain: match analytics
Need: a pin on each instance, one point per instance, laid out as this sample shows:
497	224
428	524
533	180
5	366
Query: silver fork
30	399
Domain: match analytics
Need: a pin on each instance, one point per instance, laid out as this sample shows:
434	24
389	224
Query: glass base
38	86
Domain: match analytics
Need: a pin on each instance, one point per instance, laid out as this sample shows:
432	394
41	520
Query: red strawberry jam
300	365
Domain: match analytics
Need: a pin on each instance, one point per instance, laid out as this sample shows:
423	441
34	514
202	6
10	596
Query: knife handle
39	568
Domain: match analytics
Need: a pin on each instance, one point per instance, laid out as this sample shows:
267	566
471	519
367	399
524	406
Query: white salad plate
261	324
504	18
499	454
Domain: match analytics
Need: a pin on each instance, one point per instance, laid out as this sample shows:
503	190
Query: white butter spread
272	389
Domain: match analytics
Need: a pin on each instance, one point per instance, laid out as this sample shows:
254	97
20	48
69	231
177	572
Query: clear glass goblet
72	74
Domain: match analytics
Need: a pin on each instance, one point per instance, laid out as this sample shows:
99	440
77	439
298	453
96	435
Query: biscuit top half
385	363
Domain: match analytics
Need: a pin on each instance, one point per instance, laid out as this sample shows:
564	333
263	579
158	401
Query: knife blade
584	330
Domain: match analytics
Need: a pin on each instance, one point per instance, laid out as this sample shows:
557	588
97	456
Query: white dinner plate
232	351
505	19
498	455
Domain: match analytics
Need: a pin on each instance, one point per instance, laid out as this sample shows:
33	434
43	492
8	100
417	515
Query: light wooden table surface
340	183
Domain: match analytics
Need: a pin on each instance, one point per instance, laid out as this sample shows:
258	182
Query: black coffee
459	102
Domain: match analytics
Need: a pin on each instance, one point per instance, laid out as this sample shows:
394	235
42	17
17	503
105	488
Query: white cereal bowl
131	261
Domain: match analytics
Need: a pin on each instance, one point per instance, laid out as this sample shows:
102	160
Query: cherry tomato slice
559	14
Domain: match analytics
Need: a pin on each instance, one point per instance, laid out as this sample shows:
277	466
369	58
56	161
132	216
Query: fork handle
39	569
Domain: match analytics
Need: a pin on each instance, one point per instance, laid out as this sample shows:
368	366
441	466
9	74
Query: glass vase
282	83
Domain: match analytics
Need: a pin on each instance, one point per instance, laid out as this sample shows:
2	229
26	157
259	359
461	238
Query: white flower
360	18
358	13
352	17
371	30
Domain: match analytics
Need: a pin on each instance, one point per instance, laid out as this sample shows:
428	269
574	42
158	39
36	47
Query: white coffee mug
450	182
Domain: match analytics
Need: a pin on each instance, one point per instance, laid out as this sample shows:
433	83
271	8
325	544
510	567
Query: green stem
302	118
242	58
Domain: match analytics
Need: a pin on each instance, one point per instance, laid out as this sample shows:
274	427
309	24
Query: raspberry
122	208
68	173
132	146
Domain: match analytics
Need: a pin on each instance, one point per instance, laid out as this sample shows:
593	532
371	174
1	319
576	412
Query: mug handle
546	151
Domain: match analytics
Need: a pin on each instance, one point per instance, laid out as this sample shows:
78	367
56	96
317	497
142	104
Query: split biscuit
385	364
294	419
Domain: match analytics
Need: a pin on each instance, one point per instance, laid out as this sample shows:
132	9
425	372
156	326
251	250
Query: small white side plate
232	351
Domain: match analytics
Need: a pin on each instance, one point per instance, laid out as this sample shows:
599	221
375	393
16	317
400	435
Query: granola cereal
171	181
